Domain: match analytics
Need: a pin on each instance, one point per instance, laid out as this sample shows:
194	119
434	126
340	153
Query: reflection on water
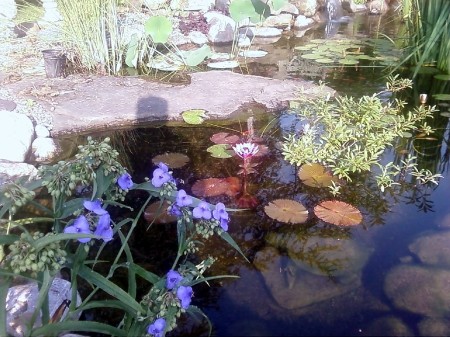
387	276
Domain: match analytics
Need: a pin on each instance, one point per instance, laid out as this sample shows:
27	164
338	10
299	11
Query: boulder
17	131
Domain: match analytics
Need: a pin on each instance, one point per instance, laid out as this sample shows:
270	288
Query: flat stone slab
89	103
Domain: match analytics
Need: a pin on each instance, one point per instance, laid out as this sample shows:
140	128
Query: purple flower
94	206
184	294
175	210
246	150
183	199
202	211
161	175
125	181
104	228
221	214
157	328
173	278
80	226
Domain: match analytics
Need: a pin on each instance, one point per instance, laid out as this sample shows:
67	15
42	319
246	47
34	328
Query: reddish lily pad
338	213
173	160
211	187
224	138
286	210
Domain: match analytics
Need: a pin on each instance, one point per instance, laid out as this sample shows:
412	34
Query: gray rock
192	5
302	22
433	248
221	27
21	301
7	105
17	131
284	281
434	327
282	21
419	289
387	326
198	38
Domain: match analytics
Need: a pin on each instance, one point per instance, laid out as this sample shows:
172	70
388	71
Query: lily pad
338	213
172	159
442	97
312	56
220	151
442	77
223	64
348	62
325	61
253	53
212	187
286	210
194	116
224	138
445	114
315	175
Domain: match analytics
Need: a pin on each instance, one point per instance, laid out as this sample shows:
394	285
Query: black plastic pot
55	63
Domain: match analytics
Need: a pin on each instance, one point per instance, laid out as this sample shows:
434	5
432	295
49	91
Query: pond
387	276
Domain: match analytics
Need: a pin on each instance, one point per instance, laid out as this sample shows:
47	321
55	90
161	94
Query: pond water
387	276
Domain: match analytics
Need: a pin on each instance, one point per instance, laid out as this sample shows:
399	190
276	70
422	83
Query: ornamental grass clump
79	227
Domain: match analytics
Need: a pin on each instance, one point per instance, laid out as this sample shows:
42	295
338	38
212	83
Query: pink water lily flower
246	150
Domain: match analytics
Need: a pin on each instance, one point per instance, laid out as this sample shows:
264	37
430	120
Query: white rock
45	149
302	22
41	131
17	131
198	38
10	171
192	5
221	27
266	31
21	302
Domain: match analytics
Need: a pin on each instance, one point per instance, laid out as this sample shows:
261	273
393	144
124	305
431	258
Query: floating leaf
220	151
224	64
194	116
194	57
157	213
445	114
315	175
159	28
173	160
407	134
212	187
224	138
286	210
338	213
348	62
325	60
253	53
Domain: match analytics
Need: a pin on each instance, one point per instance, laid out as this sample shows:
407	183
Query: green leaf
46	240
194	116
249	9
4	286
55	328
8	239
110	288
159	28
232	243
195	57
70	207
131	56
101	183
278	4
146	275
219	151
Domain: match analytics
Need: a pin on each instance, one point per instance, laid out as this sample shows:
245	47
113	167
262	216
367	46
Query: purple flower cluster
81	224
161	175
184	293
157	327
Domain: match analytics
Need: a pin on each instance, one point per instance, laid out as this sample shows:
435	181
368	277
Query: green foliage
93	175
349	136
428	32
159	28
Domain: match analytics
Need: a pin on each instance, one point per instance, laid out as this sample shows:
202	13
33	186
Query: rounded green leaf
194	116
159	28
220	151
196	56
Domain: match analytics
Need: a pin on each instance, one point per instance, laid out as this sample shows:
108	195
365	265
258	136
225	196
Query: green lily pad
348	62
194	116
220	151
325	61
224	64
311	56
445	114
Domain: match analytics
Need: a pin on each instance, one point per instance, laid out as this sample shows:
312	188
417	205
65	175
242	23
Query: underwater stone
419	289
433	248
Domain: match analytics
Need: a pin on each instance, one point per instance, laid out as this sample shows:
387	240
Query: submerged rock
433	248
419	289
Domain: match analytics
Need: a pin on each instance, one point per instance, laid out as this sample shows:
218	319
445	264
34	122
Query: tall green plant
91	34
428	29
